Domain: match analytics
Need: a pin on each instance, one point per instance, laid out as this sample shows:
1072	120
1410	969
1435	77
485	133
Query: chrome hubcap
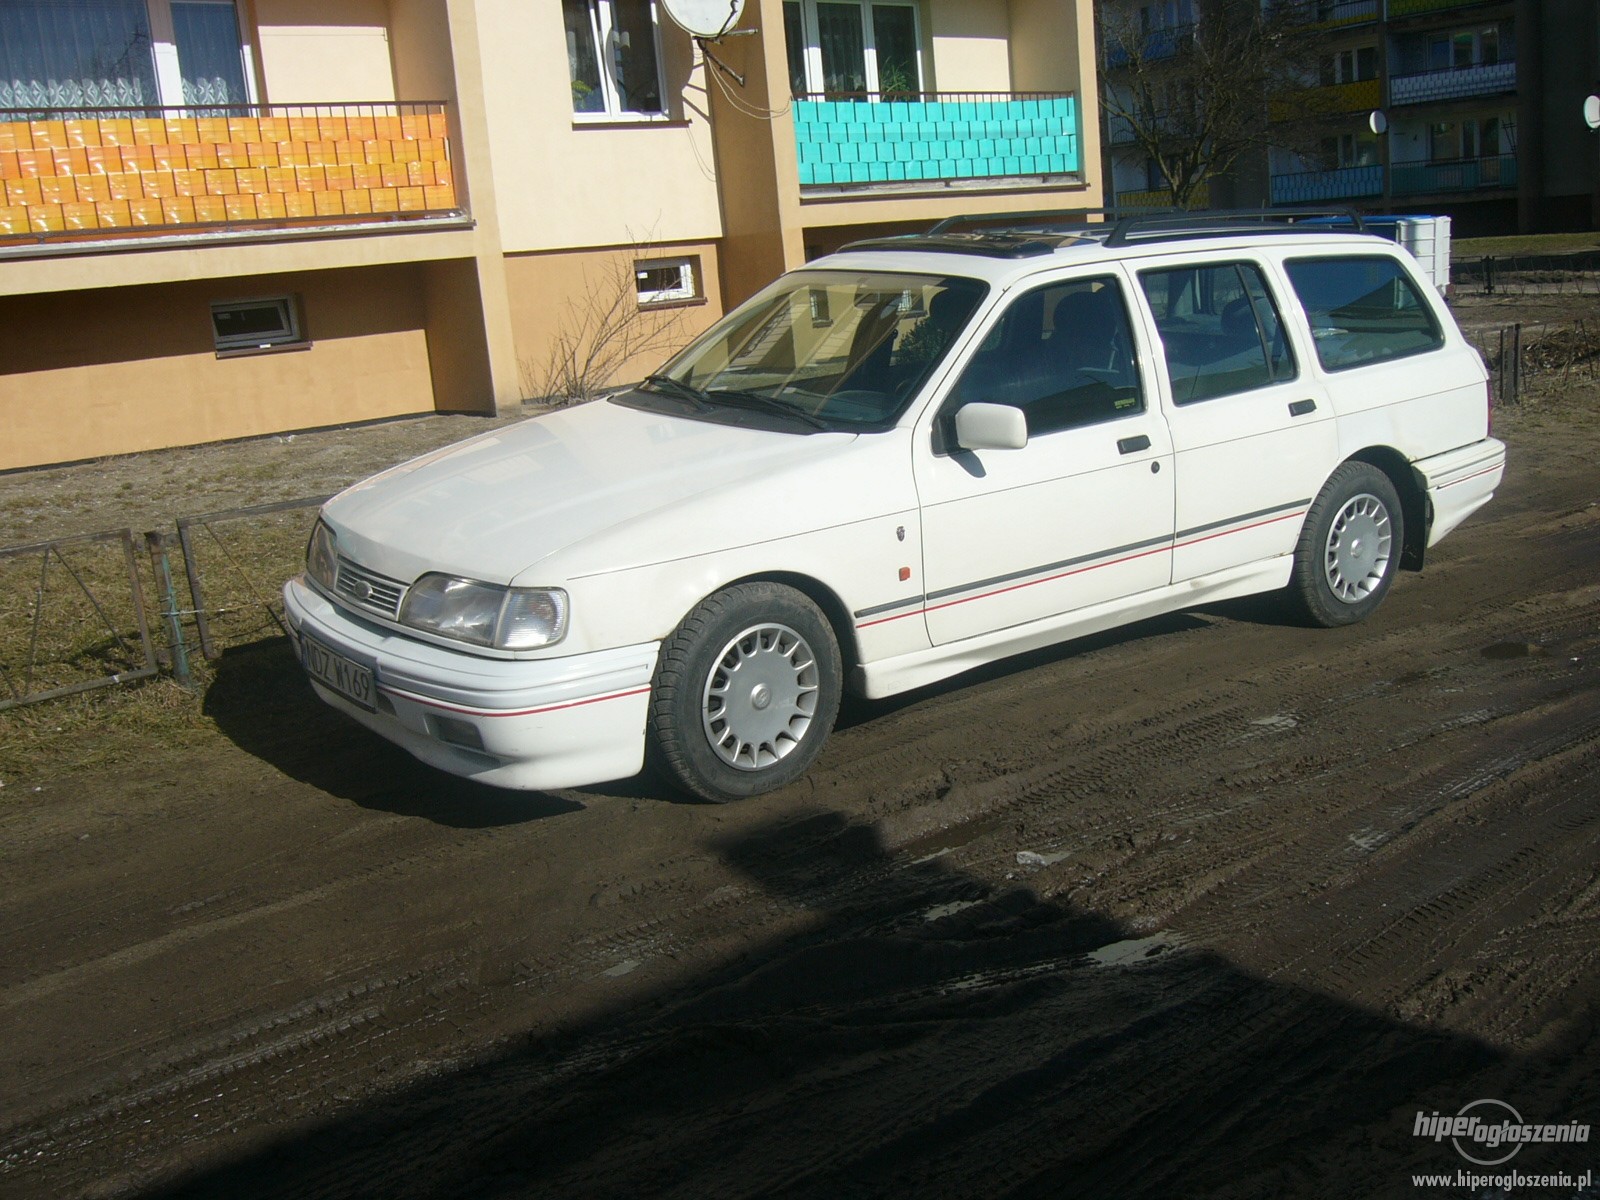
1359	545
760	697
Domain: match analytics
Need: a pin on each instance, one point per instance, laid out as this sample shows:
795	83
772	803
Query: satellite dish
1591	112
705	18
1377	122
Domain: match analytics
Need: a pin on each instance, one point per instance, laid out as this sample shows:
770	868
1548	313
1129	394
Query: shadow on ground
260	700
930	1037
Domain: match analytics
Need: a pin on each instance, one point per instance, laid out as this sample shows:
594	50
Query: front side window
842	48
1220	330
824	349
1363	310
612	58
1063	354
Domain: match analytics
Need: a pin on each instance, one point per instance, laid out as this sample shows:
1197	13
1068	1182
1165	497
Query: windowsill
658	305
625	121
269	348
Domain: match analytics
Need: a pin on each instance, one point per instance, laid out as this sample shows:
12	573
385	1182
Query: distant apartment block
1481	112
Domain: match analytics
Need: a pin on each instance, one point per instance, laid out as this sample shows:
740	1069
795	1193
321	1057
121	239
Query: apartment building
1469	108
227	218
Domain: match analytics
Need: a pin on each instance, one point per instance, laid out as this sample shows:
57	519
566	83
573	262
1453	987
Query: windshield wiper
680	390
754	400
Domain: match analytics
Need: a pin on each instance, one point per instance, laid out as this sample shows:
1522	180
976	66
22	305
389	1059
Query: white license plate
352	680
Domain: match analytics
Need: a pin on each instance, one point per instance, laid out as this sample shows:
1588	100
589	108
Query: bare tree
604	332
1197	100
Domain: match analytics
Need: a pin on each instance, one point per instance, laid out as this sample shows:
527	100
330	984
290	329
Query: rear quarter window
1362	310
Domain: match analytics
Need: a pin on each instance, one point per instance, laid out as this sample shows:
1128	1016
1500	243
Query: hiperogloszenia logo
1485	1127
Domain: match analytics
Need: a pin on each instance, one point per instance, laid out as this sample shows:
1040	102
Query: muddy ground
1211	906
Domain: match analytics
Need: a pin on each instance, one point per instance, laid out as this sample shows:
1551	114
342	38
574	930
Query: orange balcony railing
72	174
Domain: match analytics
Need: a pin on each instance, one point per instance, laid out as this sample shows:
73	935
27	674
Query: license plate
350	679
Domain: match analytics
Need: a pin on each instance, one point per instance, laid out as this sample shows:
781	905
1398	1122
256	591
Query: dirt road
1214	906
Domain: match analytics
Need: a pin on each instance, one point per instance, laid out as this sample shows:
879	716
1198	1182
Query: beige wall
111	371
556	295
971	50
561	183
325	51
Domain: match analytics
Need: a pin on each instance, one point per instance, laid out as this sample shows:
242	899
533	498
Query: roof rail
1166	225
1121	225
1030	234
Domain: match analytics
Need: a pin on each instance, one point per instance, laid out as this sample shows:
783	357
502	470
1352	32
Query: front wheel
745	693
1349	548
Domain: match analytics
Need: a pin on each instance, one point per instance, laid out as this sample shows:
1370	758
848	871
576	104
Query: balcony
1157	44
1332	14
1458	175
1413	8
1453	83
1161	198
1329	100
1342	183
86	174
868	140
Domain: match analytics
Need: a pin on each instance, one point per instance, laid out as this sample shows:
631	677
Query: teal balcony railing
1342	183
935	137
1456	175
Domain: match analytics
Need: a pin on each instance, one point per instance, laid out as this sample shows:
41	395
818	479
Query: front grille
369	590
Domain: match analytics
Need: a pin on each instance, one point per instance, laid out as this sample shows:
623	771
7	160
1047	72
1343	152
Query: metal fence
1528	274
72	617
73	614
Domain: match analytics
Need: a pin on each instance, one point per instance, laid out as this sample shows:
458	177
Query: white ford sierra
910	458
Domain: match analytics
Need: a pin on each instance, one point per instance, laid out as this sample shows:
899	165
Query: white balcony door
845	47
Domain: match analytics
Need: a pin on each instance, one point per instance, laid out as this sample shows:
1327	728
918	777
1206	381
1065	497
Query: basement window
666	281
256	326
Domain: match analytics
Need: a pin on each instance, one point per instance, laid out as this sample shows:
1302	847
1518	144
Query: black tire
1349	549
721	735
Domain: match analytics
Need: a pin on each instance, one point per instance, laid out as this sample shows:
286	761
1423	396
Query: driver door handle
1300	408
1132	445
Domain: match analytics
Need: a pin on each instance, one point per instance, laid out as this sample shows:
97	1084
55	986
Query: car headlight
322	558
486	614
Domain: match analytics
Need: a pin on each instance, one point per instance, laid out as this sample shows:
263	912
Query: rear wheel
745	693
1349	548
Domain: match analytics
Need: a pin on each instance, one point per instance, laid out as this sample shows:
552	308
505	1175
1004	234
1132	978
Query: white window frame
869	41
602	23
687	287
164	46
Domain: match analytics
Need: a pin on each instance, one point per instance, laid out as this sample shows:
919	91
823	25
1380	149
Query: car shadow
260	699
928	1034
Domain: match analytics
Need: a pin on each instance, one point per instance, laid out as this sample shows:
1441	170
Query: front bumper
530	723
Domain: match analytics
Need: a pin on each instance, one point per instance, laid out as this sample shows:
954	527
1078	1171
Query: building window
666	281
1350	150
1354	65
613	58
1471	137
121	54
852	48
251	326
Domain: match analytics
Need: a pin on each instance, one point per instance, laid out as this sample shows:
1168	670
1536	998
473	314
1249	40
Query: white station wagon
912	457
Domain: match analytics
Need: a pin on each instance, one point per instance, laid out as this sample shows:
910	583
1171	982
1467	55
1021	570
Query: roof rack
1030	234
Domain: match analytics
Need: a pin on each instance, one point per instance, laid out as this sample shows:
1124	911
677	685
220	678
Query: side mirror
991	427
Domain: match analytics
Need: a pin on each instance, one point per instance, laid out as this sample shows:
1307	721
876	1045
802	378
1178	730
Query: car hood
495	505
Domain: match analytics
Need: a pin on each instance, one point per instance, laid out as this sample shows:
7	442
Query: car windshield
824	349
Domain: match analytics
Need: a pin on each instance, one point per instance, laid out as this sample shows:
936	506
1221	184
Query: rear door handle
1300	408
1132	445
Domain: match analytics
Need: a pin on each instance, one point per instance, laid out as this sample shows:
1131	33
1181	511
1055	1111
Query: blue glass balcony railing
1457	175
1341	183
1453	83
935	136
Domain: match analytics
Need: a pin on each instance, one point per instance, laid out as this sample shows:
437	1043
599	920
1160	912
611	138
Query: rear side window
1363	310
1220	330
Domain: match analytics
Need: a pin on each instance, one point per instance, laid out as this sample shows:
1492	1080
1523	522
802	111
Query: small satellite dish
1377	122
705	18
1591	112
